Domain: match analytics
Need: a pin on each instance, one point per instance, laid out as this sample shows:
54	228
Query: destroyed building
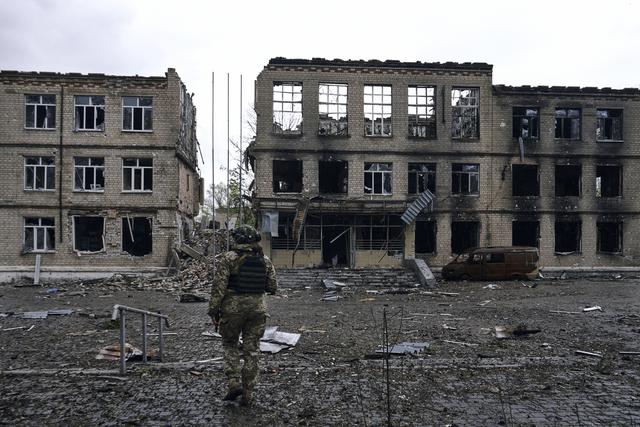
365	163
100	173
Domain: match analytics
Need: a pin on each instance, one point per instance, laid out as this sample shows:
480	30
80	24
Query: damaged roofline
563	90
280	61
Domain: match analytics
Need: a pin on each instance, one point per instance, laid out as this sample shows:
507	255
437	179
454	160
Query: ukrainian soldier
242	277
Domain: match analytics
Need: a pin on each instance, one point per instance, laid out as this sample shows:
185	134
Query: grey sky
578	43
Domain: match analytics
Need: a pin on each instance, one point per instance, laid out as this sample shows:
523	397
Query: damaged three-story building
99	173
364	163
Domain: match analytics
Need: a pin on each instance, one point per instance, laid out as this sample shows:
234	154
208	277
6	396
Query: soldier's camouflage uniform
240	313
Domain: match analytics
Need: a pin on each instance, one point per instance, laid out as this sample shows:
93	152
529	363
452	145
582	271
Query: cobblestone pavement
467	376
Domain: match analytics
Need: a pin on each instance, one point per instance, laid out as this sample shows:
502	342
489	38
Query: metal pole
144	338
386	362
213	169
228	151
241	155
123	360
161	337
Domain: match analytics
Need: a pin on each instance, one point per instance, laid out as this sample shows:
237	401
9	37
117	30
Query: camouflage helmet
245	234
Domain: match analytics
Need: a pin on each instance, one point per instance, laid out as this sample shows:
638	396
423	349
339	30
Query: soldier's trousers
251	325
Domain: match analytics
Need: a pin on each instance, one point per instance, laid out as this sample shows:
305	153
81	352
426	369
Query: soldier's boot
235	390
247	397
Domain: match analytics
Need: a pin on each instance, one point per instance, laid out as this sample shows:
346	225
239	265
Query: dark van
494	263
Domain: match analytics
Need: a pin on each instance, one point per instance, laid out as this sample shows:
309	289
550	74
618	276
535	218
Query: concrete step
368	277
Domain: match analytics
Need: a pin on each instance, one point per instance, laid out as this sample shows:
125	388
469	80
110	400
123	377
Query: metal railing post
161	337
123	360
144	338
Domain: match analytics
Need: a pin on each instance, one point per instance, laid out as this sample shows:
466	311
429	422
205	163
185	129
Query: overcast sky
576	43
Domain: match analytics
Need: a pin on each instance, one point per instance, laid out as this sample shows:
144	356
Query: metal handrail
118	312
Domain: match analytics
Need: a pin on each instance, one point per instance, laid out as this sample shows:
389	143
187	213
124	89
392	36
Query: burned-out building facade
100	173
364	163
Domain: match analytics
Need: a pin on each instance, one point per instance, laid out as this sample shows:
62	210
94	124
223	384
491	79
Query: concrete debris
491	286
465	344
563	312
132	354
274	341
212	334
60	312
594	308
629	353
521	330
35	314
588	353
404	348
13	329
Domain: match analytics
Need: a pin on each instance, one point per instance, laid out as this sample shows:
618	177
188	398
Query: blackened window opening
608	181
525	123
137	238
568	180
525	233
609	237
568	235
568	123
422	176
464	235
334	176
88	232
525	180
609	125
425	237
287	176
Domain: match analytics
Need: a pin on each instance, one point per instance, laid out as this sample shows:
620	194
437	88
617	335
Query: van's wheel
465	277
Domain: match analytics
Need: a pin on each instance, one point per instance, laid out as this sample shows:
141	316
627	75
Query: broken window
40	111
525	180
89	174
425	237
287	107
137	113
377	110
39	173
422	176
608	181
39	235
609	237
379	232
89	112
137	174
465	178
609	125
464	235
88	233
377	178
568	123
137	237
332	105
422	111
525	123
309	237
334	176
568	236
465	122
525	233
568	180
287	176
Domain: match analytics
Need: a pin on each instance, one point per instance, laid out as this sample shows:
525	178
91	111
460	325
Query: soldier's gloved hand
215	318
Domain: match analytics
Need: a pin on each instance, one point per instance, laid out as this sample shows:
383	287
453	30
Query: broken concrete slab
35	314
422	271
60	312
404	348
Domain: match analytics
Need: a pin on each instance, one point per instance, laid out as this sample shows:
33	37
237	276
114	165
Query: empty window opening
309	237
465	178
88	233
334	176
39	235
332	106
609	125
425	237
137	174
287	107
525	181
568	180
609	237
422	176
89	112
378	178
422	111
568	123
40	112
464	235
137	238
568	236
137	113
465	122
379	233
39	173
377	110
608	181
525	233
287	176
525	123
89	174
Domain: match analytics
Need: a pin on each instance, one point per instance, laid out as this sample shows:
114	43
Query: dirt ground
49	374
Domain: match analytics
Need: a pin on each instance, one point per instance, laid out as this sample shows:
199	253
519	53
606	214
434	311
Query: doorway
336	240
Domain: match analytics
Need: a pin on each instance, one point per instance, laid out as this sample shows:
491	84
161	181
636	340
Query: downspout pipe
60	152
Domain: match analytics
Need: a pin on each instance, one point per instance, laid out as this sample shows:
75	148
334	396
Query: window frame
429	176
34	173
293	101
383	173
370	100
430	120
104	233
620	231
457	111
519	126
144	108
84	174
122	232
133	169
470	174
599	119
620	181
47	106
556	118
84	108
341	102
45	229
